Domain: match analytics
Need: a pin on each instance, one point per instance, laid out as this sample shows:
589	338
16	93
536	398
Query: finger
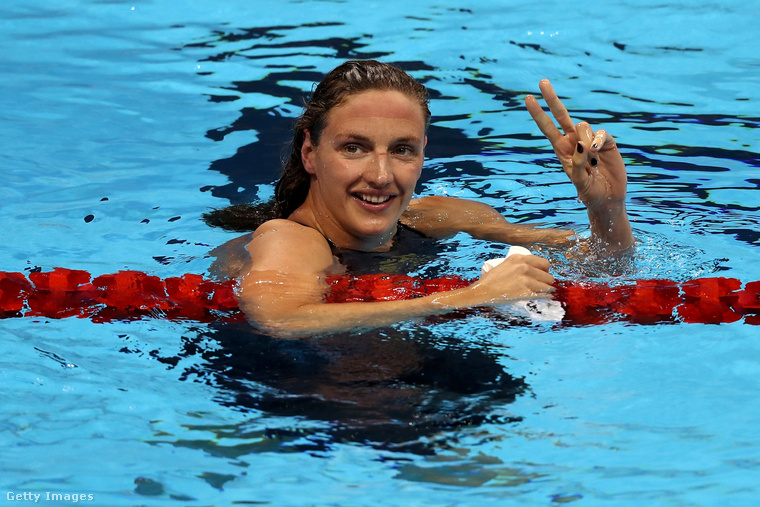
535	261
533	278
582	153
602	140
544	122
528	265
558	109
545	278
580	158
542	283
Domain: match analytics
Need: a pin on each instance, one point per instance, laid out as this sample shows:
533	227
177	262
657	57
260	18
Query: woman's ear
307	152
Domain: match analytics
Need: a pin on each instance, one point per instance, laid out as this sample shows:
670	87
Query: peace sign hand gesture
593	163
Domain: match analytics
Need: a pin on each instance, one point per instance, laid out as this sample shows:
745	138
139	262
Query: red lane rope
64	293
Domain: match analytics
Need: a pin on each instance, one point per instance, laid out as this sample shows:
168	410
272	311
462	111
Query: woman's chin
377	232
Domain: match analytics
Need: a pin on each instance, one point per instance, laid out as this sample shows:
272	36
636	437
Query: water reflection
387	389
470	147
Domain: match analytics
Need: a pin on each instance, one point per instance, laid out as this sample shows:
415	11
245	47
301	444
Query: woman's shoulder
277	238
286	237
286	246
283	229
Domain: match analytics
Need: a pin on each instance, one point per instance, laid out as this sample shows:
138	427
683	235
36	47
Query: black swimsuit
410	252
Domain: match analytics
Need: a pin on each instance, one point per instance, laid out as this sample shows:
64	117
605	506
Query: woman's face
365	167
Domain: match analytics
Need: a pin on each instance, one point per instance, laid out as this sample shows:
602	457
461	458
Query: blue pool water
122	122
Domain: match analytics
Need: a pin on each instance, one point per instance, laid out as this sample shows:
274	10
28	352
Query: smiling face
364	168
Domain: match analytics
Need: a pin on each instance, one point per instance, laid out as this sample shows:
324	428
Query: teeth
375	199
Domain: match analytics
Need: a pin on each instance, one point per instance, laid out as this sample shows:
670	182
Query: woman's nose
379	171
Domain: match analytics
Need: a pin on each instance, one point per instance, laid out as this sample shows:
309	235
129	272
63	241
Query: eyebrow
359	137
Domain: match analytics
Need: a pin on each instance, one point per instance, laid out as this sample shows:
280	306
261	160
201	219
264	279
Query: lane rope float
64	293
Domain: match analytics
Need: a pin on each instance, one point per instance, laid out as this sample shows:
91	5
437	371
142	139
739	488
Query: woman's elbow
278	324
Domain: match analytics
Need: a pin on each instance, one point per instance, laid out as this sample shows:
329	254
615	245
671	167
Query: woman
357	154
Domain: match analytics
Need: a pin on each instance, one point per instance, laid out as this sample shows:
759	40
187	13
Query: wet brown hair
349	78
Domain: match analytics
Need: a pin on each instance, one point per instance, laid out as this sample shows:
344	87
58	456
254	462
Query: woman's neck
335	235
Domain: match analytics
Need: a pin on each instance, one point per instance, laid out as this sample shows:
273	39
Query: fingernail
593	161
580	148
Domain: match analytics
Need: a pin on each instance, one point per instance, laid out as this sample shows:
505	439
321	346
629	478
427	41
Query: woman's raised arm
590	159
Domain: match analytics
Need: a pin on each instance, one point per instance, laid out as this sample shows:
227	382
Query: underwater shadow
386	389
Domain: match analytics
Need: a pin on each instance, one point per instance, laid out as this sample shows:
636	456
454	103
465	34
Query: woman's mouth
373	199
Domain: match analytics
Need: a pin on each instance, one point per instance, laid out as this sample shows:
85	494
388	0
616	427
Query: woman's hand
517	277
593	163
590	159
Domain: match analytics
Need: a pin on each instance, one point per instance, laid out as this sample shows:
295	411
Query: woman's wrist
610	226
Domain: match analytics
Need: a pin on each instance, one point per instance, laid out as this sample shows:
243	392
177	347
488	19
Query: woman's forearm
321	318
281	310
610	227
521	234
438	217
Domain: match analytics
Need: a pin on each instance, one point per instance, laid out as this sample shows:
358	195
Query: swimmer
357	154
